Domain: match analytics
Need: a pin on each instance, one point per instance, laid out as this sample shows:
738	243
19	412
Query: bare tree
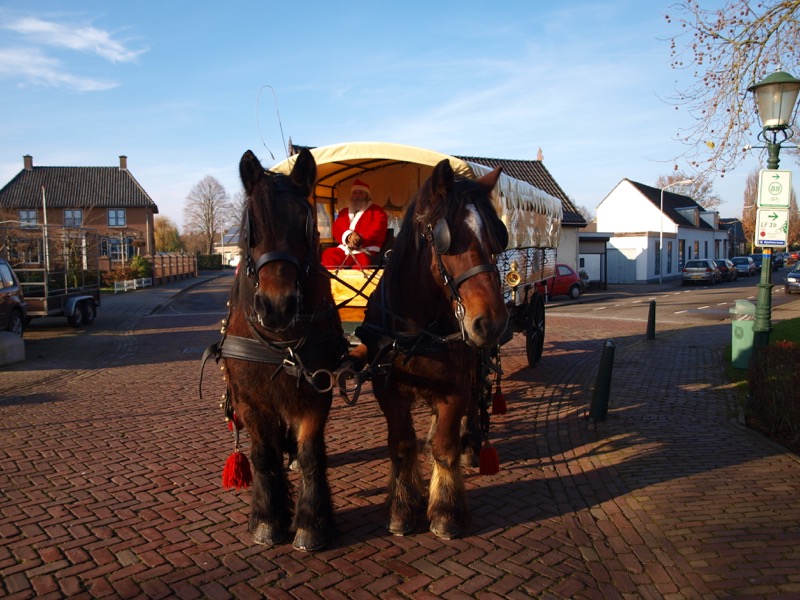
793	238
237	203
587	213
166	234
207	211
700	190
728	49
750	206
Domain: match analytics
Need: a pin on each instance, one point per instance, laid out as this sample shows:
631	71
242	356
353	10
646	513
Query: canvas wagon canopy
395	173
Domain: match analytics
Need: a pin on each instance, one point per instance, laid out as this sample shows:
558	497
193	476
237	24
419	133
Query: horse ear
304	172
490	179
442	180
250	170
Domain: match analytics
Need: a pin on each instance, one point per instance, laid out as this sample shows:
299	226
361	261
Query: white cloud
79	38
36	68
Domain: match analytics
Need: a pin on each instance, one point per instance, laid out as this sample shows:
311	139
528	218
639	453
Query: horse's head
278	237
457	221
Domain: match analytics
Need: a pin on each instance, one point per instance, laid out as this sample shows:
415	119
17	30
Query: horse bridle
438	237
286	355
253	266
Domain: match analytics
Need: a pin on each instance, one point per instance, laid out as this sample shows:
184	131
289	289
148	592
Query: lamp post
661	226
776	96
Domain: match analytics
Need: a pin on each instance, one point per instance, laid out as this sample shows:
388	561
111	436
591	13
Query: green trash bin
743	316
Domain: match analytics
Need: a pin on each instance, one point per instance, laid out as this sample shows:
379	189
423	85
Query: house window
669	258
28	218
117	249
116	217
697	249
682	252
73	217
658	258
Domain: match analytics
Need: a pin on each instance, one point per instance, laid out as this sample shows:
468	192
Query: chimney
123	163
28	161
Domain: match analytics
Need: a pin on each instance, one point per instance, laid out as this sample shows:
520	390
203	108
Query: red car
566	282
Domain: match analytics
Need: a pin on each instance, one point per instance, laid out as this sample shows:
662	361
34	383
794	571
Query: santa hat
359	185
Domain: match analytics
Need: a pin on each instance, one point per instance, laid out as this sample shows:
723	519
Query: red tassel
236	473
489	461
498	402
234	421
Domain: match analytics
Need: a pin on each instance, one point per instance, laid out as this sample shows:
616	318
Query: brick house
107	200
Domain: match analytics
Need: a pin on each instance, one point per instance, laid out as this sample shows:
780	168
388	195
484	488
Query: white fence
132	284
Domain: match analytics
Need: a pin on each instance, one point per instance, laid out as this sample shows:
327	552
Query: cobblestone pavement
110	486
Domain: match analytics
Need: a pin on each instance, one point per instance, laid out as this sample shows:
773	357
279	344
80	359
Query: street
112	463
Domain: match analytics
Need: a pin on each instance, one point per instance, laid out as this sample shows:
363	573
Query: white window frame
115	220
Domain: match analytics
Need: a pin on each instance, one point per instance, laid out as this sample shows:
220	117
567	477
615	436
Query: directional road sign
774	188
772	226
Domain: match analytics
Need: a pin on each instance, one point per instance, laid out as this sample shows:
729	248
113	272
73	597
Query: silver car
745	265
701	270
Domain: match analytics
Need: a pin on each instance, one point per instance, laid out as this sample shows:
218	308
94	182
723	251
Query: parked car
13	308
727	270
701	270
759	259
791	283
777	260
566	282
745	265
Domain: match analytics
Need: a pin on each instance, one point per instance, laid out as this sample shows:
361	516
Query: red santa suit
370	224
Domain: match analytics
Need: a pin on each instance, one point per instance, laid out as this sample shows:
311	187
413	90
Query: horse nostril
487	329
276	311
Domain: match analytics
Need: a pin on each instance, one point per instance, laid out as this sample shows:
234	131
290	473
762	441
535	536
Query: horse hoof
267	535
445	529
401	527
308	541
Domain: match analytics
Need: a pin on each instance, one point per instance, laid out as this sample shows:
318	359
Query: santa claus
360	230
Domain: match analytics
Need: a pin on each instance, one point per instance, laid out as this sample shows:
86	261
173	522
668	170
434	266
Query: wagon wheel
534	329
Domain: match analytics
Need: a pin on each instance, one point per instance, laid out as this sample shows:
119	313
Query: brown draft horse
282	341
437	308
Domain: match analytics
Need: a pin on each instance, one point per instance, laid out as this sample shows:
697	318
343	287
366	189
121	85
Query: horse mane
422	211
257	222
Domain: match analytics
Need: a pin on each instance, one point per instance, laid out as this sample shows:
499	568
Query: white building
631	214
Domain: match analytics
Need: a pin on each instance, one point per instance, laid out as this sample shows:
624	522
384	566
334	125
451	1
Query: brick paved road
110	486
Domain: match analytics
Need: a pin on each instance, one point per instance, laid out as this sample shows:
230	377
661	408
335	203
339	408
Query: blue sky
175	86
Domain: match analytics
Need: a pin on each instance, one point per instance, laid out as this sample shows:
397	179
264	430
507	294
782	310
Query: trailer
395	172
59	270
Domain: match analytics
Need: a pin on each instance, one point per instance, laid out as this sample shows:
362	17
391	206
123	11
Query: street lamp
776	96
661	227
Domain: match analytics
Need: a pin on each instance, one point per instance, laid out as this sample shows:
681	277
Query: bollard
651	321
602	387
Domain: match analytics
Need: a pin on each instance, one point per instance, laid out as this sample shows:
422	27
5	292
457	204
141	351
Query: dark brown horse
282	340
437	312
